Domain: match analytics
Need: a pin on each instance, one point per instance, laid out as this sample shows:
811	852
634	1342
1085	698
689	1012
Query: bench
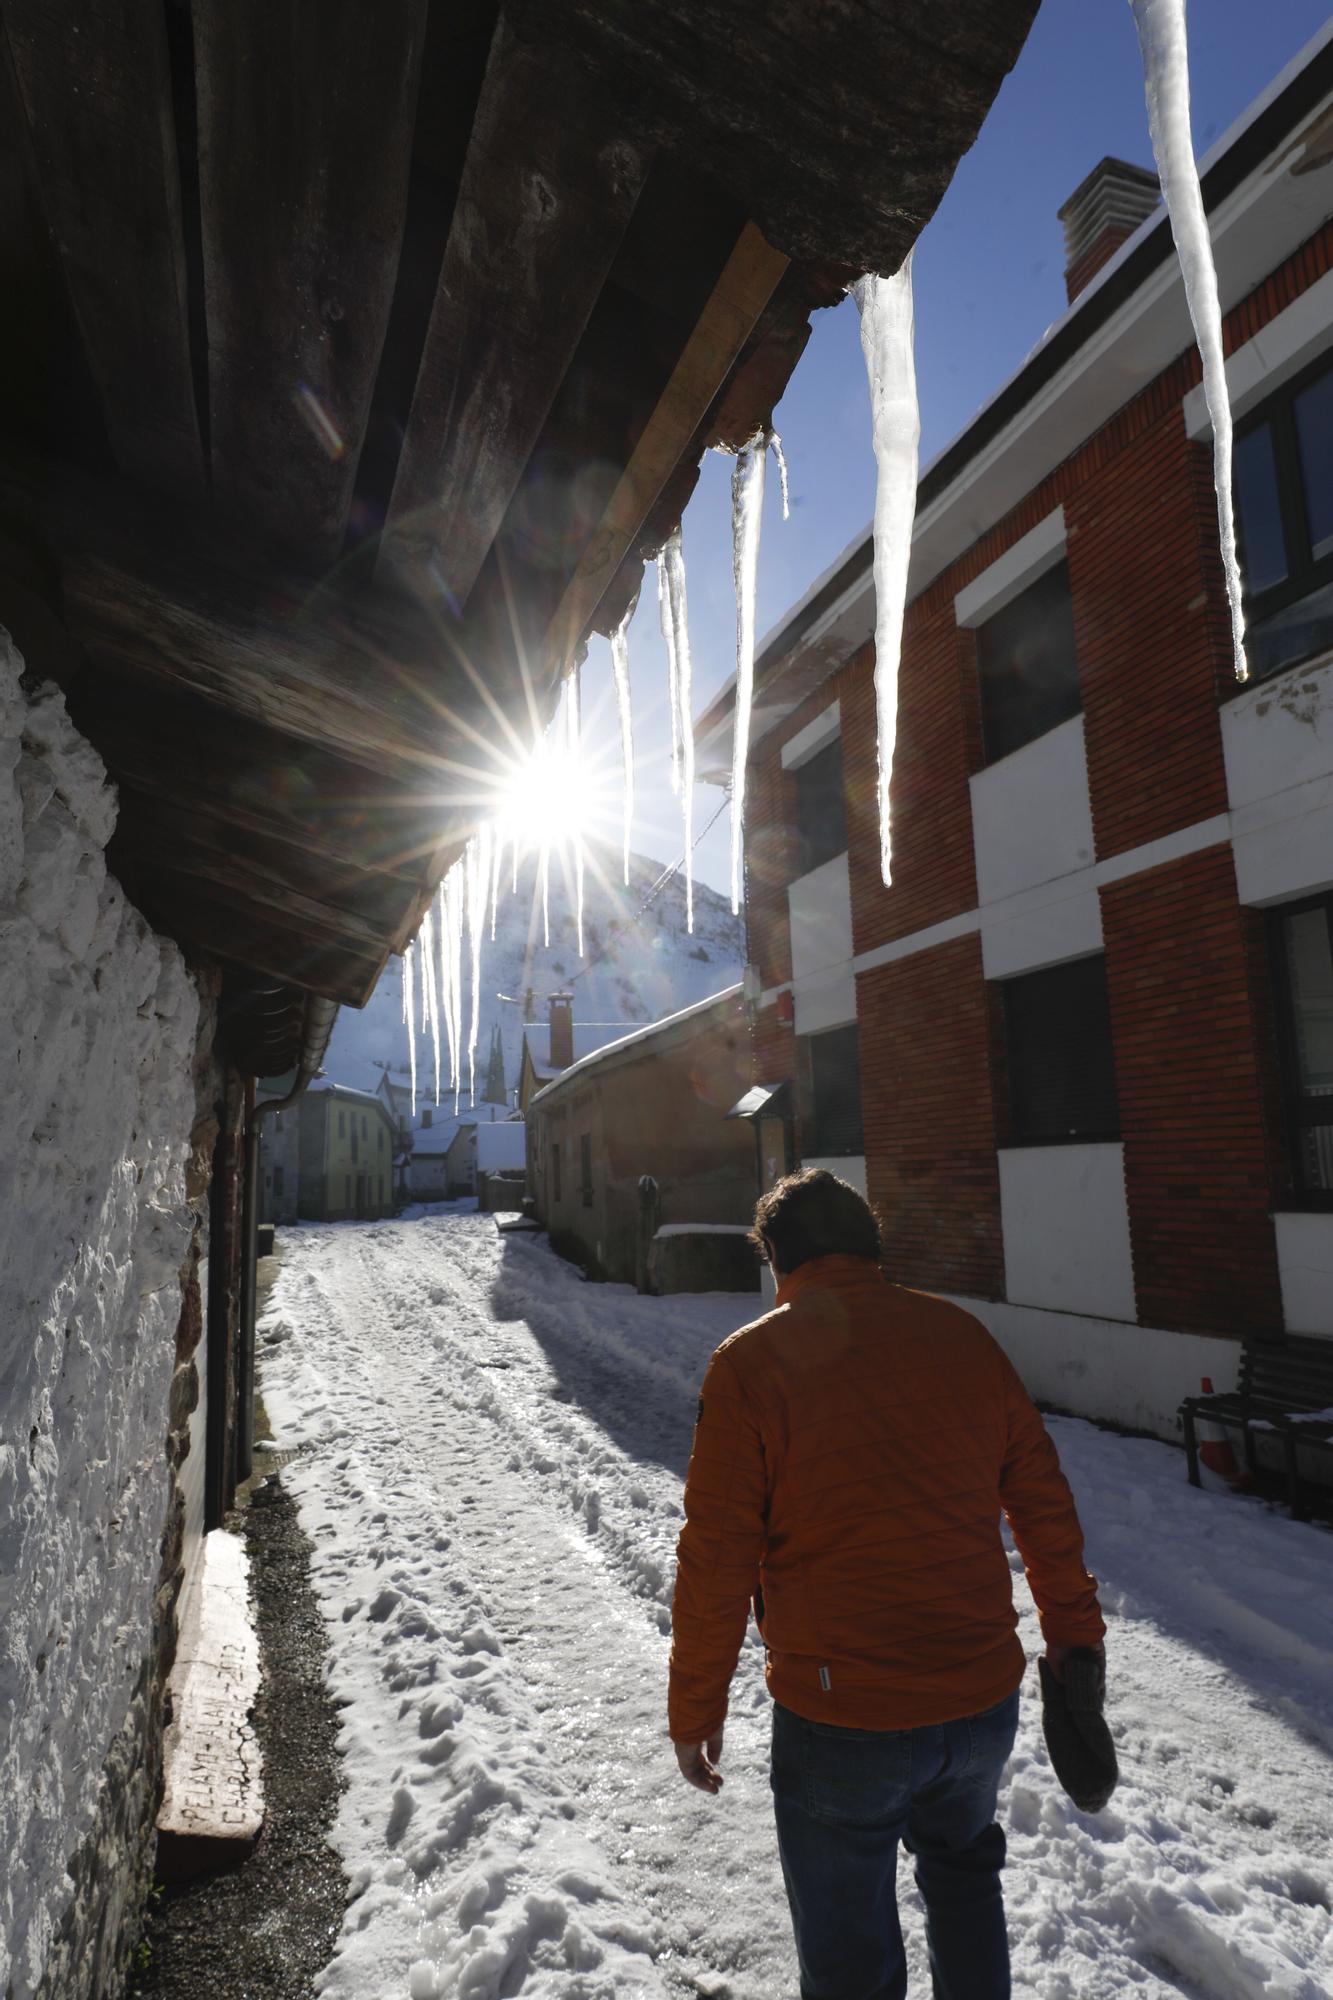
1285	1393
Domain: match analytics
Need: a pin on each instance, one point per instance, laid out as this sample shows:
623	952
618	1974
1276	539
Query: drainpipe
320	1016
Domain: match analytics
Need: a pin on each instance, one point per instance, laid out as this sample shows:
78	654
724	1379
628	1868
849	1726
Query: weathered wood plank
745	286
306	112
326	684
95	89
350	827
548	188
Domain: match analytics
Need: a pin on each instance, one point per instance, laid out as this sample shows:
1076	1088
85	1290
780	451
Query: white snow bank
491	1476
97	1032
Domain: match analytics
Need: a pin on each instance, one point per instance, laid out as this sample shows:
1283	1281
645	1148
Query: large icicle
620	674
544	864
574	776
497	857
747	506
1166	80
775	445
478	865
885	305
672	561
430	1000
457	917
673	667
409	1016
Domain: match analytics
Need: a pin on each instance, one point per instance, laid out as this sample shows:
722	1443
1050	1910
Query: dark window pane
1263	548
555	1173
1314	434
1061	1067
585	1166
832	1127
821	816
1296	633
1028	666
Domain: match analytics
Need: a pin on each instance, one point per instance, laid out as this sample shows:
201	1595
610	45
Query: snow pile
97	1024
491	1467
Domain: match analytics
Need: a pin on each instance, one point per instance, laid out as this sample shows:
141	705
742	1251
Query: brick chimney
1101	213
562	1030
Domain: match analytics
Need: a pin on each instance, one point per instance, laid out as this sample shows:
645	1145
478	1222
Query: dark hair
814	1214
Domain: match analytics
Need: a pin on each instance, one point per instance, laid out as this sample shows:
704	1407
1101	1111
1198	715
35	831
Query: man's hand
1057	1655
699	1761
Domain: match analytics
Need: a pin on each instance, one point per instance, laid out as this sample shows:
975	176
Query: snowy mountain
640	963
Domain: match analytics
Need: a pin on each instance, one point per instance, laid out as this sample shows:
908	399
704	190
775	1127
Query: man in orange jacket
853	1452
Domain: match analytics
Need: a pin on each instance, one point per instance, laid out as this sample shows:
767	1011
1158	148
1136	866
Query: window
426	1117
342	1124
831	1120
1027	665
821	815
1283	475
277	1180
555	1173
379	1143
1061	1067
585	1168
1303	955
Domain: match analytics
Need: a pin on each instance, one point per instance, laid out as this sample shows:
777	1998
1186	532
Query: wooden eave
353	361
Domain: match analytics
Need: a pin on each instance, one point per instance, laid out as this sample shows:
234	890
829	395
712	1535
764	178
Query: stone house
654	1103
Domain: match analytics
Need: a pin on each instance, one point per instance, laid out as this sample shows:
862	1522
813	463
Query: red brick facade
929	1125
1189	1081
1187	966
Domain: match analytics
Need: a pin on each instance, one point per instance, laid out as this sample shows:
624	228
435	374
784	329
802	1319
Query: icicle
545	866
775	446
574	777
1166	81
747	506
620	672
409	1015
672	559
673	667
477	881
446	996
430	1002
885	306
497	856
457	921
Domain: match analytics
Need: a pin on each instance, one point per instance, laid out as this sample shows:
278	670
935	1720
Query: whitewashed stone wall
98	1020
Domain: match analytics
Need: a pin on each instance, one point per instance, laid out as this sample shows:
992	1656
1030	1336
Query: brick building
1081	1052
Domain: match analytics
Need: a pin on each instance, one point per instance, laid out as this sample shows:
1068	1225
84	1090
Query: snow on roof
501	1145
325	1087
588	1037
663	1027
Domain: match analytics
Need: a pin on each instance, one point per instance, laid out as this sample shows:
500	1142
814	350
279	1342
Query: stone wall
104	1163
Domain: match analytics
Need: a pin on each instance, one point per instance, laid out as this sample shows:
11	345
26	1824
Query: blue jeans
844	1798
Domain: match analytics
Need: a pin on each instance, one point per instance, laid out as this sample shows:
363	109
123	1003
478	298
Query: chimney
1100	215
562	1030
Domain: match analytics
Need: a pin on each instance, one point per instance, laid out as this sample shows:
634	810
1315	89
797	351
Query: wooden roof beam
747	282
539	217
95	88
306	111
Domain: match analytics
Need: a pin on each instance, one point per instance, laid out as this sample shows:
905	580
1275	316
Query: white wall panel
1031	814
1305	1266
1066	1229
820	907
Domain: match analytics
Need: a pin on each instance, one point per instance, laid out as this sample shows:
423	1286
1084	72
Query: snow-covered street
490	1468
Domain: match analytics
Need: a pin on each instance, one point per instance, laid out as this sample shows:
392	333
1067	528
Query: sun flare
546	799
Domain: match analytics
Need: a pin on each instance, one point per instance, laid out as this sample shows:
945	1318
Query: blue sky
989	279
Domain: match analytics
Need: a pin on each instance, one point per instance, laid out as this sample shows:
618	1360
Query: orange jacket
852	1455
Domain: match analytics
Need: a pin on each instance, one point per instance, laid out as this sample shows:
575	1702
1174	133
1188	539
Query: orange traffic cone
1215	1453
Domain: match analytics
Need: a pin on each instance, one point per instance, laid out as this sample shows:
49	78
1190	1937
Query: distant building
347	1146
550	1047
479	1148
279	1153
438	1125
654	1102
